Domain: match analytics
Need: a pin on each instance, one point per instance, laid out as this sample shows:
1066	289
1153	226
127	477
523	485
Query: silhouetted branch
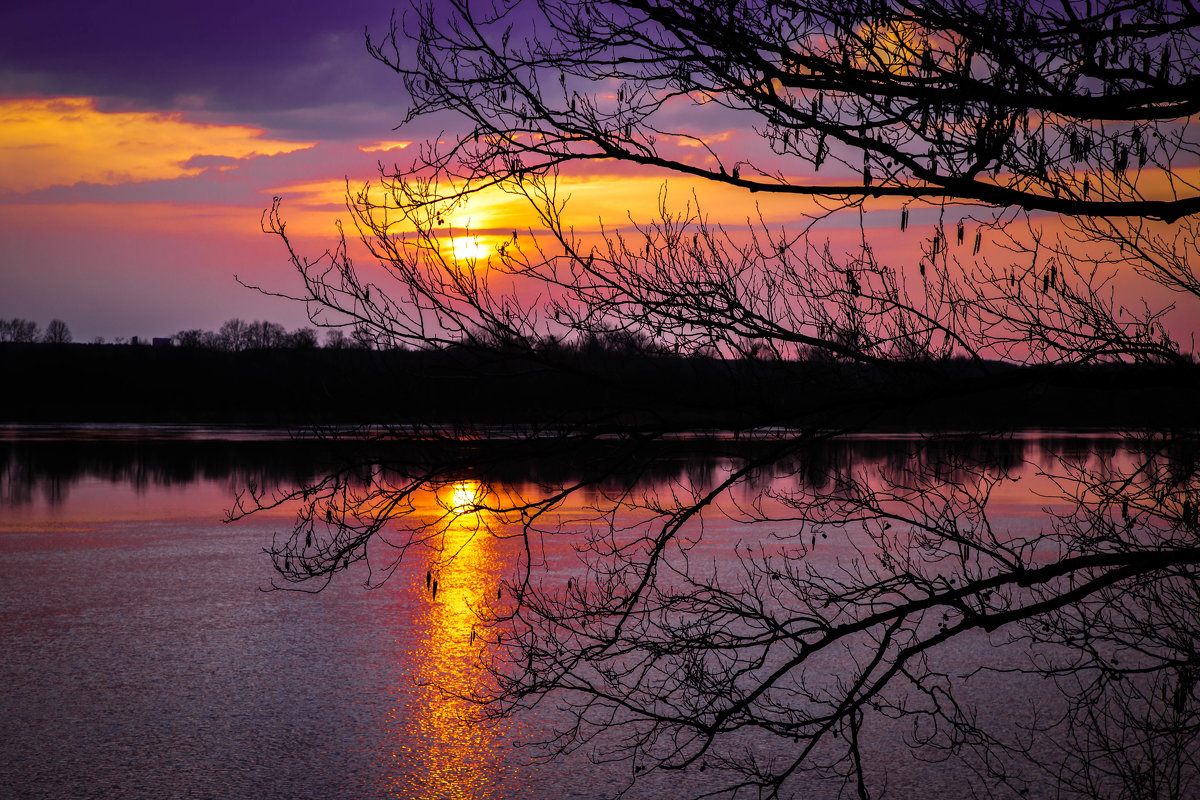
1058	135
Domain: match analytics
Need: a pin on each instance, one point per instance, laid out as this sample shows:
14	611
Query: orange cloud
708	139
383	147
67	140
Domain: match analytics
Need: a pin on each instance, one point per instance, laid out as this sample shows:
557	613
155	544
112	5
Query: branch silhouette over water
773	612
788	613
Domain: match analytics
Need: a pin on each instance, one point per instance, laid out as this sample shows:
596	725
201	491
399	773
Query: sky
141	141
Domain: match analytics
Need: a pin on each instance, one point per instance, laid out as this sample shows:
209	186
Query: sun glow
469	248
462	497
896	47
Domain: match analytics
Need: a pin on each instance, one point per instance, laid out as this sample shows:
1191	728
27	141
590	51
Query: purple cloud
257	60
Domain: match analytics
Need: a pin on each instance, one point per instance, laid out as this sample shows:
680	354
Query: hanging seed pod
978	241
904	219
960	231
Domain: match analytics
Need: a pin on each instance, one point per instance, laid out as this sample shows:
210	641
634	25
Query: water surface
143	658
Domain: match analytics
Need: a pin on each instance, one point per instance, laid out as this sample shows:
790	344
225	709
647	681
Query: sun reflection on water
435	752
462	498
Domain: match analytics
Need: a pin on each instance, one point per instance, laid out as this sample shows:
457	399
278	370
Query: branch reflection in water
779	612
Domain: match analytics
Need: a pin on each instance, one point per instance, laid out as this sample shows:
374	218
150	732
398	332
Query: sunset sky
141	142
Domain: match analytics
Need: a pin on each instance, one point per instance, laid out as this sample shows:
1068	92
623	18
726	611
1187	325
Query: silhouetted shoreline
605	390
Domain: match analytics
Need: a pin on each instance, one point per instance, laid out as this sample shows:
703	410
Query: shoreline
621	394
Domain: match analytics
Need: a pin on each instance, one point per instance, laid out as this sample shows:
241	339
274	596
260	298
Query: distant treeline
600	386
25	331
237	335
233	336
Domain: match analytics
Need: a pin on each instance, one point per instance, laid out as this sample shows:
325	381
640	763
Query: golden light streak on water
437	753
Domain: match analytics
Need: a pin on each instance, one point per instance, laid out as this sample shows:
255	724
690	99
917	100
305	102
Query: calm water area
142	657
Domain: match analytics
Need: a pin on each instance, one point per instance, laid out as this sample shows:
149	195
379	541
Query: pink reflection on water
420	744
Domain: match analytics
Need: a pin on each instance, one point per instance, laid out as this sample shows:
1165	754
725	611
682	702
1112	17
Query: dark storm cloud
269	61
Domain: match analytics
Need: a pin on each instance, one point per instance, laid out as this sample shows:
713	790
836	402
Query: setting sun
469	248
